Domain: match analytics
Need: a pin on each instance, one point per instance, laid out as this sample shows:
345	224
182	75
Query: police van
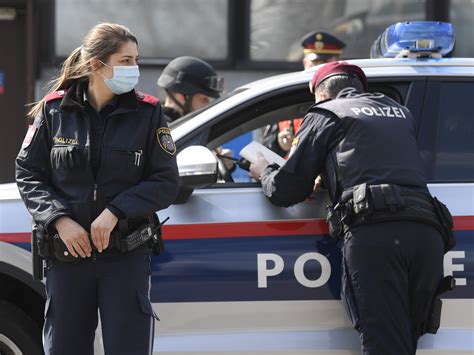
241	276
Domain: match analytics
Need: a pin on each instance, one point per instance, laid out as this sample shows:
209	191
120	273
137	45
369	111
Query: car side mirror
197	167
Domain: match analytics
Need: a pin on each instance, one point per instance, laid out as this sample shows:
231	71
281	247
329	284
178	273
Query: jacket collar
74	99
127	102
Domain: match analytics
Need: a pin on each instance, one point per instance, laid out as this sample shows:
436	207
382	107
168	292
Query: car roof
386	67
373	68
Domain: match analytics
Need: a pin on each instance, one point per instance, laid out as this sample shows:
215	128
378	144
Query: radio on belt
138	238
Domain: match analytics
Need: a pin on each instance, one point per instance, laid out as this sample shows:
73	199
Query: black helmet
189	76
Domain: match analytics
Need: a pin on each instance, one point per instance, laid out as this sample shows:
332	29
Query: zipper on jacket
94	208
94	199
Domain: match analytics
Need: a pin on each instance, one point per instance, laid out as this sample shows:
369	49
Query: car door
447	146
236	262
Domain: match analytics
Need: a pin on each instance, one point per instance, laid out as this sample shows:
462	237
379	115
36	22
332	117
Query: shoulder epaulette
55	95
152	100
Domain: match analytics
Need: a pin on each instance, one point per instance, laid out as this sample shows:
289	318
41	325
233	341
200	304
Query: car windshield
190	115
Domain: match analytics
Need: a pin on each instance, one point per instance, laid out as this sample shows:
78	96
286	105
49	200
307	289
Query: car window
190	115
454	138
252	128
447	131
250	124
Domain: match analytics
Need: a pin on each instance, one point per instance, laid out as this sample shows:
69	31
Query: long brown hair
103	40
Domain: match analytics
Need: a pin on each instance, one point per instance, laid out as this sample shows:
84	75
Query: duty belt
120	239
377	203
387	202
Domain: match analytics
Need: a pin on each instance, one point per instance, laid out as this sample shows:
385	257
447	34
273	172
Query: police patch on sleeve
165	140
29	136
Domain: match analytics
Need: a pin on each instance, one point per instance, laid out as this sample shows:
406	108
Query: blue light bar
415	37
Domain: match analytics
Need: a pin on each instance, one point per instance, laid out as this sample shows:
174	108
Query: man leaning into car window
364	147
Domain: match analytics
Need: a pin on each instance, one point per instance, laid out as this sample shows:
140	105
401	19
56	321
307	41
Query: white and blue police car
241	276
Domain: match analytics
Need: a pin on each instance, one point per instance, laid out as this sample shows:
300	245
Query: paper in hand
249	152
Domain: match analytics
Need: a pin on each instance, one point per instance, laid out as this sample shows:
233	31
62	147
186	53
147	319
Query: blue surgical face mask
125	78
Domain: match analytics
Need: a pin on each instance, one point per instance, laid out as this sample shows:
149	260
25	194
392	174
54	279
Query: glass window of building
461	15
276	26
164	28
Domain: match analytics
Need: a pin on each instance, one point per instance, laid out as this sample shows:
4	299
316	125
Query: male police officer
364	146
318	47
190	83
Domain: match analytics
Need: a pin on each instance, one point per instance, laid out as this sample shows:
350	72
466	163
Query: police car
241	276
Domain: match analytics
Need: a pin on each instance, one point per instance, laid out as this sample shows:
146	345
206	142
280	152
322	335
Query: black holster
433	320
447	224
60	251
44	246
333	219
40	250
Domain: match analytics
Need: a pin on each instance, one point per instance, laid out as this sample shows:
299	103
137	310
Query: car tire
19	334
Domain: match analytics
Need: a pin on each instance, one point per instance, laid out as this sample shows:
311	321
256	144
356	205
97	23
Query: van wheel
19	334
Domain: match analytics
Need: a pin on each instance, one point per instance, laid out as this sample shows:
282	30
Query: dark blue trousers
390	273
116	285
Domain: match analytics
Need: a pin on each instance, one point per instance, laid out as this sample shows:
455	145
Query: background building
244	39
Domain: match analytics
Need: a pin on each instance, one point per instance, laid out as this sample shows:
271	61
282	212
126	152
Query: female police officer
98	158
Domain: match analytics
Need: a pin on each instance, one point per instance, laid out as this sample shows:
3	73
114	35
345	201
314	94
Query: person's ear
307	63
320	96
95	64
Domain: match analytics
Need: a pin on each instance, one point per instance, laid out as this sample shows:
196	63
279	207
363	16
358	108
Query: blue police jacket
137	175
353	139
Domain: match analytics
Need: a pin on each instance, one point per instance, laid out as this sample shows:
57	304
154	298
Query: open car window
249	124
240	129
190	115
